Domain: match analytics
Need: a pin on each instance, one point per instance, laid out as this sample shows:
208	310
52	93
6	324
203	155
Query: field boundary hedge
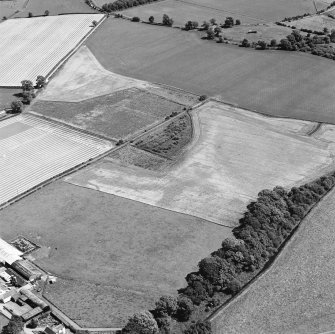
269	264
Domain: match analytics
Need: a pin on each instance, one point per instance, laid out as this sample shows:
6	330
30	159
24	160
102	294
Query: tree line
264	227
123	4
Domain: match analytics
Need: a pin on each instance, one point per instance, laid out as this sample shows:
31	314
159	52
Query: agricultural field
273	82
47	41
315	22
263	10
8	95
55	7
118	115
265	32
33	150
299	287
9	7
181	12
233	155
112	256
83	77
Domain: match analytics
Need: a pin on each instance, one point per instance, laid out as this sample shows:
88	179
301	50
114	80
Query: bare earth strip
296	296
234	154
82	77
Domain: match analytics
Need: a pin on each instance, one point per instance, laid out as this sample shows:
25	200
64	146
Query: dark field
114	256
116	115
170	140
296	296
7	97
274	82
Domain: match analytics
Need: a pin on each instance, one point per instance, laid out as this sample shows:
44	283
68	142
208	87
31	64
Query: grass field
273	82
266	10
118	115
8	8
47	41
234	154
181	12
7	96
82	77
316	22
296	296
113	256
33	150
265	32
55	7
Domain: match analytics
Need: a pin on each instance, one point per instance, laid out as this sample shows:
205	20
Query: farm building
27	269
8	253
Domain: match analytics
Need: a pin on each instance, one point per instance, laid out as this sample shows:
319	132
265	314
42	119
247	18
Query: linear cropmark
35	46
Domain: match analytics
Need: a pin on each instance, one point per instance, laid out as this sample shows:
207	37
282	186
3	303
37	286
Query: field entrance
234	155
33	150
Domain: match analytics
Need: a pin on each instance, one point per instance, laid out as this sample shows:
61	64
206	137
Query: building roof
9	253
48	330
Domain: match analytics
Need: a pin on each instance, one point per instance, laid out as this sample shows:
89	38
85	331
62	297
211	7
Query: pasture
10	7
118	115
47	41
234	154
315	22
273	82
55	7
299	287
181	12
263	10
113	256
7	95
33	150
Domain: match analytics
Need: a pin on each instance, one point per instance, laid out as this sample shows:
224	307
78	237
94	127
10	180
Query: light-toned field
113	256
181	12
273	82
316	22
33	150
296	296
83	77
234	155
47	40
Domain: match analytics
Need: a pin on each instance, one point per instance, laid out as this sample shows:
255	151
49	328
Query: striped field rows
39	151
34	46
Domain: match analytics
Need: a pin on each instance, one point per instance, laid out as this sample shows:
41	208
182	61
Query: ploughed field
47	40
33	150
273	82
297	294
234	154
112	256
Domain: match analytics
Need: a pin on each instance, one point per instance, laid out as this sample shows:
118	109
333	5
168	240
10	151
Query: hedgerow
264	227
